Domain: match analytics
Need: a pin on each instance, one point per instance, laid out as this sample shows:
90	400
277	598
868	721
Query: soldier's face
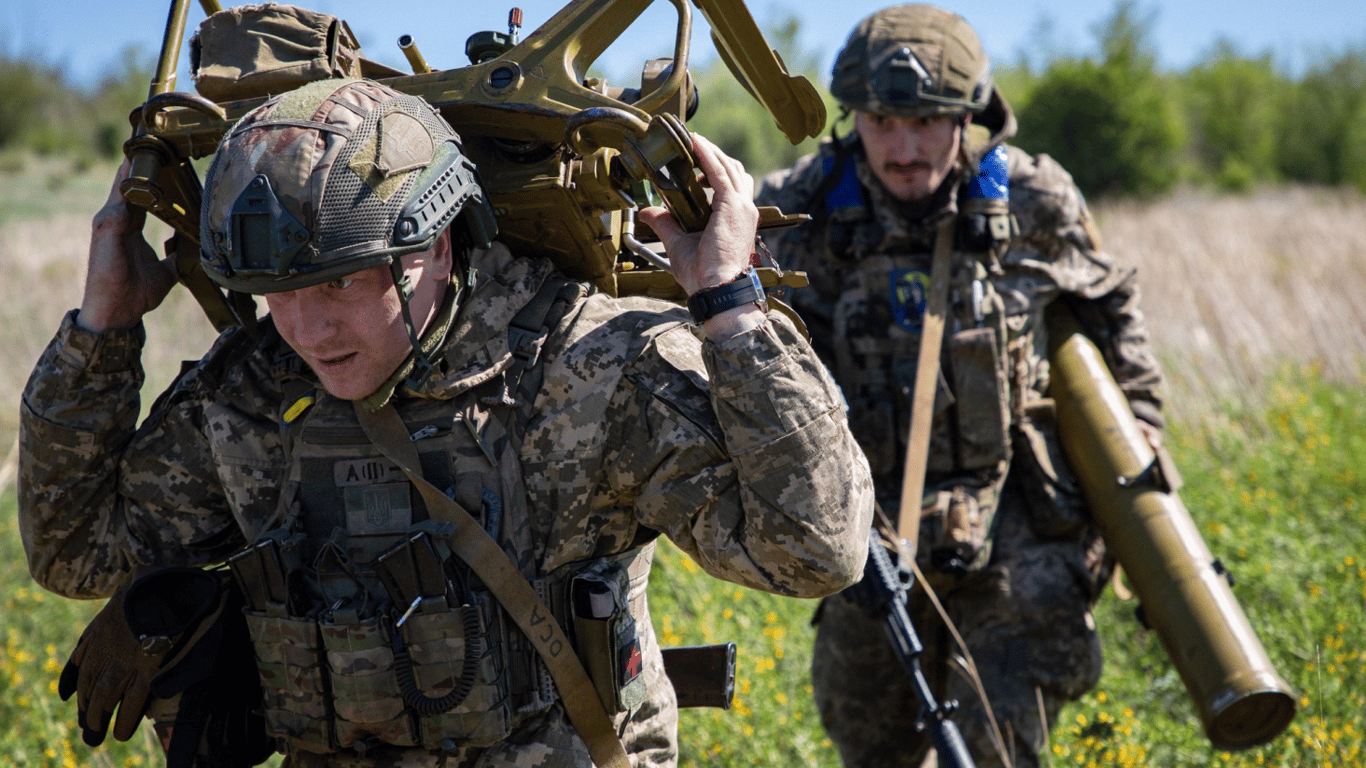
911	156
350	331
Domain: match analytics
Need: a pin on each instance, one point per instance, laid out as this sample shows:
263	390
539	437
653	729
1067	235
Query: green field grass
1275	493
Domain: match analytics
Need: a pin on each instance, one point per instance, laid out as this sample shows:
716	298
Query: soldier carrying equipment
1184	592
935	252
437	467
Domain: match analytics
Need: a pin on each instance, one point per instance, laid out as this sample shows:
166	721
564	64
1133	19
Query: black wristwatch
744	289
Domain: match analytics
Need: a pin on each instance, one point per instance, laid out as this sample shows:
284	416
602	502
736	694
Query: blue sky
87	36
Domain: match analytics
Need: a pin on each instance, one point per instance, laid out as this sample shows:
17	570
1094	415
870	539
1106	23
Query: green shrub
1322	135
1236	107
1109	122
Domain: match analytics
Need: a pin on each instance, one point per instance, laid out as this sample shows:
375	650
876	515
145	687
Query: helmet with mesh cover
335	177
913	61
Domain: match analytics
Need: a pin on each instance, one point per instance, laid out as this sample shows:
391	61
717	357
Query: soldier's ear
442	257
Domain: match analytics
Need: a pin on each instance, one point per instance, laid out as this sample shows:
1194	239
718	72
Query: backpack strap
529	328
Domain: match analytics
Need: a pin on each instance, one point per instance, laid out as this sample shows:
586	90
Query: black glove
219	722
108	671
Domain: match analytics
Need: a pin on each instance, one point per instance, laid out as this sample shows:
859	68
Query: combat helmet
332	178
913	61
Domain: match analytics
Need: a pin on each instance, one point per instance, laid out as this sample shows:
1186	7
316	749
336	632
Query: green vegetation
1109	121
1110	116
1235	152
42	113
1276	496
1231	121
1275	493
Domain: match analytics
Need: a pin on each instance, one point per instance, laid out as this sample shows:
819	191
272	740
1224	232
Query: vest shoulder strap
840	184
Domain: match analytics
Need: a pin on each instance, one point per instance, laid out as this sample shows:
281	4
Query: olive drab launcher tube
1185	596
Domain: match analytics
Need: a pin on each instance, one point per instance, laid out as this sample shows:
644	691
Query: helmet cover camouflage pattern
913	61
335	177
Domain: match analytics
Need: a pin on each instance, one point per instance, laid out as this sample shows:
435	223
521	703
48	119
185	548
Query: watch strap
710	302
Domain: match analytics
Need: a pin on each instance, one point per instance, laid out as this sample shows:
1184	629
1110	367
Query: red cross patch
633	661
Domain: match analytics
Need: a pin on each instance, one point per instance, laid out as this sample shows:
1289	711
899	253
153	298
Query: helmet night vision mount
564	159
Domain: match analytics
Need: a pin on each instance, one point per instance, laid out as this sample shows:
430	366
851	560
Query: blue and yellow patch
909	292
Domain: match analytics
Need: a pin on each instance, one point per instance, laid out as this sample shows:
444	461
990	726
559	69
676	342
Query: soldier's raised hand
124	278
717	254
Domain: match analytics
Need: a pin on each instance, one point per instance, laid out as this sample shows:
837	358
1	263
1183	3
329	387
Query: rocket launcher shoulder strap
922	401
475	547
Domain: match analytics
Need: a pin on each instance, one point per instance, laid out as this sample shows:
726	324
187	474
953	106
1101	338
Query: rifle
883	594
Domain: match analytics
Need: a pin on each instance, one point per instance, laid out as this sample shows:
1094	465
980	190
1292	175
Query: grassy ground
1255	309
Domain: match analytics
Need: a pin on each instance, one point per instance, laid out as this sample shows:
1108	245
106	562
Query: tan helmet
335	177
913	61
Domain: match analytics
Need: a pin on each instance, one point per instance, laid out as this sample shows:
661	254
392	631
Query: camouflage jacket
864	252
738	451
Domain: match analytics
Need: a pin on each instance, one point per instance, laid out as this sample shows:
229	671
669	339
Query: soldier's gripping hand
124	278
717	254
109	671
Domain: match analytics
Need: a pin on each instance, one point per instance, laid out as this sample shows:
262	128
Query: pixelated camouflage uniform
1023	605
738	451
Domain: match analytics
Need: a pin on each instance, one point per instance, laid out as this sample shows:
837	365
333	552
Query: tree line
1231	121
1118	122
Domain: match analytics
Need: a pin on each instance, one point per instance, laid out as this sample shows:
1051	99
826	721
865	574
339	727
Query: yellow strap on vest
926	381
472	544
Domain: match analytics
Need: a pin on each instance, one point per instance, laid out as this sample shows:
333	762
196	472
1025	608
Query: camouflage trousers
1026	621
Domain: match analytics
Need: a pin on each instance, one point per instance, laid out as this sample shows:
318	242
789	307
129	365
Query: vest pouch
606	636
365	694
292	680
980	391
437	646
262	572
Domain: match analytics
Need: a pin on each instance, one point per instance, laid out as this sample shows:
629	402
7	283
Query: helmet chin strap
422	364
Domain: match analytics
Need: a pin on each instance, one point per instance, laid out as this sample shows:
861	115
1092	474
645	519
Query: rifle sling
926	380
477	548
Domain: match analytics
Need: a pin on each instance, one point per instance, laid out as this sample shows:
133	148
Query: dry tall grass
1235	288
42	272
